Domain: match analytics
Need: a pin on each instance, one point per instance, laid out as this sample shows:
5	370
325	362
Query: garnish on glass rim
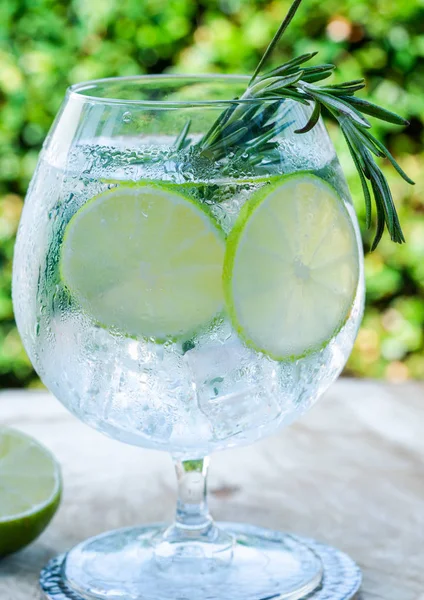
251	127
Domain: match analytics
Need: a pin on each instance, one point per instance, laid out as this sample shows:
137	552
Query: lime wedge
291	267
146	261
30	489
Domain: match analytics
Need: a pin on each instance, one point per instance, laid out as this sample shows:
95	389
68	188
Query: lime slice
145	260
291	267
30	489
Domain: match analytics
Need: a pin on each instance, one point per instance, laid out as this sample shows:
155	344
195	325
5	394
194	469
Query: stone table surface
350	473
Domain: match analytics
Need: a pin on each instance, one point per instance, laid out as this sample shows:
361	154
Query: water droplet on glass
126	117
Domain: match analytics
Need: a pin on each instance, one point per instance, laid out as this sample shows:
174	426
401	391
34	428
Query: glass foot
264	565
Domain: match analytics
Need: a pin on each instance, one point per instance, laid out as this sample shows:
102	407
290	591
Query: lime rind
233	240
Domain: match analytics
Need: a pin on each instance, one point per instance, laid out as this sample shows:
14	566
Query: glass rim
78	90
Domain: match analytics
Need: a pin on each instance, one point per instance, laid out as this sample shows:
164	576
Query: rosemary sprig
286	22
251	126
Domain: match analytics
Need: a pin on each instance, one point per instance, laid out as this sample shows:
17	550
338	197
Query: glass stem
192	514
193	536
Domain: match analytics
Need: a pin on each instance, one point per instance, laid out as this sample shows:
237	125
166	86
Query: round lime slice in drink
291	267
145	260
30	489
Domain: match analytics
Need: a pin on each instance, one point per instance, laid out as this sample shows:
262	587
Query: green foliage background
47	44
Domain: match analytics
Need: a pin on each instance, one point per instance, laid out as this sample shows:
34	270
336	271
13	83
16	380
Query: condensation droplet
126	117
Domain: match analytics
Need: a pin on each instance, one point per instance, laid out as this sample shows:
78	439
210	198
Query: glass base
264	565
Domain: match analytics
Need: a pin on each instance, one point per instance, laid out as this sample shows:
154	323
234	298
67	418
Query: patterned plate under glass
188	277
